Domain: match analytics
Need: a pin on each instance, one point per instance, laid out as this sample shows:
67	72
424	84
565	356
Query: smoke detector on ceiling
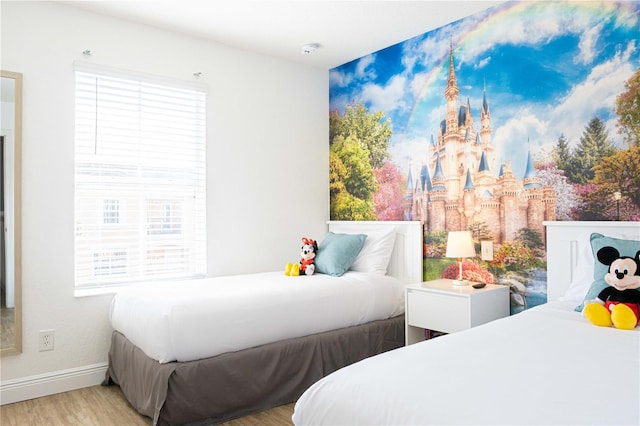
309	48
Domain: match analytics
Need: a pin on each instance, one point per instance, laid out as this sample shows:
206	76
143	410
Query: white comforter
546	365
196	319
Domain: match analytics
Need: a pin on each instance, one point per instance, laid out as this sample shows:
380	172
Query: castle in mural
463	189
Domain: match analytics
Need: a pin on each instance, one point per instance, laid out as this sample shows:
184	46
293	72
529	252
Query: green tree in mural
371	129
628	109
530	238
594	146
351	180
345	206
337	173
359	180
358	144
619	172
562	155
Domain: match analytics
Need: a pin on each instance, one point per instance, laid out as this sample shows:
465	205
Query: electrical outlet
46	340
486	248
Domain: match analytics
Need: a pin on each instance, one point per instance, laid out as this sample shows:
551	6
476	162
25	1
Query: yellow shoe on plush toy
597	314
623	317
292	269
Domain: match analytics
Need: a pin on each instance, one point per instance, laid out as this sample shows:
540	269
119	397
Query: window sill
113	289
96	291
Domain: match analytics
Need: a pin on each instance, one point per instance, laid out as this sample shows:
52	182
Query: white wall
267	162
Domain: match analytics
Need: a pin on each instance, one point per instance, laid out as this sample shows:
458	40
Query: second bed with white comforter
546	365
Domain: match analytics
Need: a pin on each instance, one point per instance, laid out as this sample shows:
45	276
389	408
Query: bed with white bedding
205	351
546	365
244	311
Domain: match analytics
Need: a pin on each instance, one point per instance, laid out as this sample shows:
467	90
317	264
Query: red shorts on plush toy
634	307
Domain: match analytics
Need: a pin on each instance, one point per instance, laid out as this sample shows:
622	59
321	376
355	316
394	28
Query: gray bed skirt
231	385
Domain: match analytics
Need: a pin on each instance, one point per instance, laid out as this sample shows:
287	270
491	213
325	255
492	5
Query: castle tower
485	180
509	206
425	180
438	195
469	201
549	200
533	194
530	179
422	202
407	200
485	120
451	95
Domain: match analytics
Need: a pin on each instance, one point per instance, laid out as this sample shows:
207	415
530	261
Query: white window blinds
139	178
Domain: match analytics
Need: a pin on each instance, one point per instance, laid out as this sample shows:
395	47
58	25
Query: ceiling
345	30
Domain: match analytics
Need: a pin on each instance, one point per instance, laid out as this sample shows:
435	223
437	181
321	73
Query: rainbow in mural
546	68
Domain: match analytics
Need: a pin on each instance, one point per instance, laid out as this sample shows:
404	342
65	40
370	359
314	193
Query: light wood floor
105	406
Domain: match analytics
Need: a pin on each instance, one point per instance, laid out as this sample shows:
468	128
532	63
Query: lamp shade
460	244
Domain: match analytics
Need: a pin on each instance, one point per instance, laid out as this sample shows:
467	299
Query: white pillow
376	252
580	283
583	276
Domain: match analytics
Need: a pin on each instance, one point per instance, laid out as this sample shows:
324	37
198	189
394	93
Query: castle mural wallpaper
523	113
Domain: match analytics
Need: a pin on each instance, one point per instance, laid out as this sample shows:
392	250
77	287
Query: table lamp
459	245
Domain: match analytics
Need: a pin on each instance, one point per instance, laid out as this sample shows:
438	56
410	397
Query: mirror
10	218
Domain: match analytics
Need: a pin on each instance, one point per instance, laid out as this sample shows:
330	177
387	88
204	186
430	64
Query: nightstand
439	305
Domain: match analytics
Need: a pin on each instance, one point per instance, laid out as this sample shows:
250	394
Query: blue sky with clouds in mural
547	67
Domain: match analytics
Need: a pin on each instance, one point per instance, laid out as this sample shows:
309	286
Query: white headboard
567	241
406	259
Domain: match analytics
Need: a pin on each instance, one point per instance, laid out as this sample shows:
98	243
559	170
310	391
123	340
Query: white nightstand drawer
441	312
440	306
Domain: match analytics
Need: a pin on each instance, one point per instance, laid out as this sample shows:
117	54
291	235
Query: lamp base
459	282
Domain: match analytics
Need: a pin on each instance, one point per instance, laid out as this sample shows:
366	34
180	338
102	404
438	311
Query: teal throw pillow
624	247
337	252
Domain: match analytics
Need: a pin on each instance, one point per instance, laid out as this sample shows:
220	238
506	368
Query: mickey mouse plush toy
619	303
307	263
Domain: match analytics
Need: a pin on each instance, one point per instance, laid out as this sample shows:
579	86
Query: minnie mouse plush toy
307	263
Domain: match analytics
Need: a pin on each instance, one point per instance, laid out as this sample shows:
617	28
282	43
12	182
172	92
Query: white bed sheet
189	320
546	365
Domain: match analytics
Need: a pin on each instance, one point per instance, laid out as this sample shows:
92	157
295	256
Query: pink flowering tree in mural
552	176
388	200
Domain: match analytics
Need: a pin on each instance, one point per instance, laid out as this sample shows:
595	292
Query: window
111	213
163	217
108	263
139	178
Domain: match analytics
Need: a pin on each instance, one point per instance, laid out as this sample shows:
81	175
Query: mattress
546	365
190	320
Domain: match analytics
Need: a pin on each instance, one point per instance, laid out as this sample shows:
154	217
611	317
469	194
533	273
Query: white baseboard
40	385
